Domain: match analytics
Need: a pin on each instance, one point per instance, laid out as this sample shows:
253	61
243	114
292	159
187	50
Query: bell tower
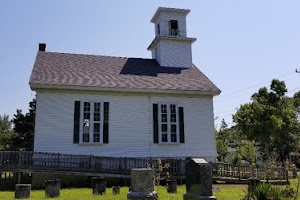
171	47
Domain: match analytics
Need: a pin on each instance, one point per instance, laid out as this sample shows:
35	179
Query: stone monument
22	191
198	180
172	186
142	185
116	190
52	188
99	185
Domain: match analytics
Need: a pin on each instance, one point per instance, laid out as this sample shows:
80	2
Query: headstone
142	185
99	185
116	189
216	189
172	186
253	182
52	188
198	180
22	191
295	173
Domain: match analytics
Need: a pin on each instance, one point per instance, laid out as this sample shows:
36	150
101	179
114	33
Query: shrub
265	192
237	159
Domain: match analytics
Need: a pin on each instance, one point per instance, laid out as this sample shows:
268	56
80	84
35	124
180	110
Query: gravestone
22	191
99	185
198	180
142	185
216	189
116	189
52	188
172	186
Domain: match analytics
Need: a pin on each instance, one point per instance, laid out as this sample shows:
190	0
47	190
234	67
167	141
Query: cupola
171	47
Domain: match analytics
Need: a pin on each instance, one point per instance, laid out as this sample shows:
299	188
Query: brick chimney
42	46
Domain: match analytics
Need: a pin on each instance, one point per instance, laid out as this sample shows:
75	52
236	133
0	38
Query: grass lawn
228	192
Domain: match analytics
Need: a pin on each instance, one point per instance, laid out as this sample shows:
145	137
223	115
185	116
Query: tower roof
161	9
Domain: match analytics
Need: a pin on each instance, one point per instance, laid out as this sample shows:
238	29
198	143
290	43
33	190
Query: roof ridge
97	55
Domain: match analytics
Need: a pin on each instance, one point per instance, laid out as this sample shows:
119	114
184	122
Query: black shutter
181	125
76	122
105	124
155	123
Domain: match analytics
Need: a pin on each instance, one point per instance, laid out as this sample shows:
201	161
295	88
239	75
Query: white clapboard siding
130	126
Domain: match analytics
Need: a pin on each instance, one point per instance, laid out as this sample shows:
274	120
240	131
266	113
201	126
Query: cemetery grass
228	192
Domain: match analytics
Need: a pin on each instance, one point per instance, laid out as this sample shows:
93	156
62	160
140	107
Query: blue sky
241	45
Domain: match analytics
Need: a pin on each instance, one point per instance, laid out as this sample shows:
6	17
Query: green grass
228	192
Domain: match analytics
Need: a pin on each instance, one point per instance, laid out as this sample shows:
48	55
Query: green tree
5	132
221	142
24	128
297	100
248	152
270	120
237	159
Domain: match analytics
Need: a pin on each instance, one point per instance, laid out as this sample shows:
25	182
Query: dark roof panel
115	72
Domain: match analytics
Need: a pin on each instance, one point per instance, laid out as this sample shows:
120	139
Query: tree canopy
5	132
24	128
270	119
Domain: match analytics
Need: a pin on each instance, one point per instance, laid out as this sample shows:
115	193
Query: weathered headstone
52	188
22	191
216	189
99	185
142	185
295	173
253	182
198	180
172	186
116	189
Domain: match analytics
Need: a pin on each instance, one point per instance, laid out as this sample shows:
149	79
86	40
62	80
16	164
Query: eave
158	38
35	86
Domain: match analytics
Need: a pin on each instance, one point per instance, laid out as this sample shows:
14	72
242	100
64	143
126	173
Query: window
92	122
168	123
174	24
158	29
174	27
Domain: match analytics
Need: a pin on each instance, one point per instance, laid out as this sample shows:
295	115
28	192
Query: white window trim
168	123
91	133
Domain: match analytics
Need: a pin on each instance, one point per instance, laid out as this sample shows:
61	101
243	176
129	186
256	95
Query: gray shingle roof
64	69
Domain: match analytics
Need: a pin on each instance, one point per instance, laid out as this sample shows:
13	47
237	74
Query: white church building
127	107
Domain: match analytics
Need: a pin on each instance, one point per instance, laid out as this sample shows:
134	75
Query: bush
267	191
237	159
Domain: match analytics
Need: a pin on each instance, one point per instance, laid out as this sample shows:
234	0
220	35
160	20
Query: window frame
92	122
169	123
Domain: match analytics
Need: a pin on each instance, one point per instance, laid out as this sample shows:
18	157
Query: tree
5	132
297	100
237	159
24	128
270	120
221	142
248	152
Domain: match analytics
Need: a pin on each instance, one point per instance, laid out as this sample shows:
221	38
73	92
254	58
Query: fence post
58	161
239	172
20	161
125	165
92	163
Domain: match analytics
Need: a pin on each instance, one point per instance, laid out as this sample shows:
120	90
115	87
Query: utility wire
249	89
257	84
